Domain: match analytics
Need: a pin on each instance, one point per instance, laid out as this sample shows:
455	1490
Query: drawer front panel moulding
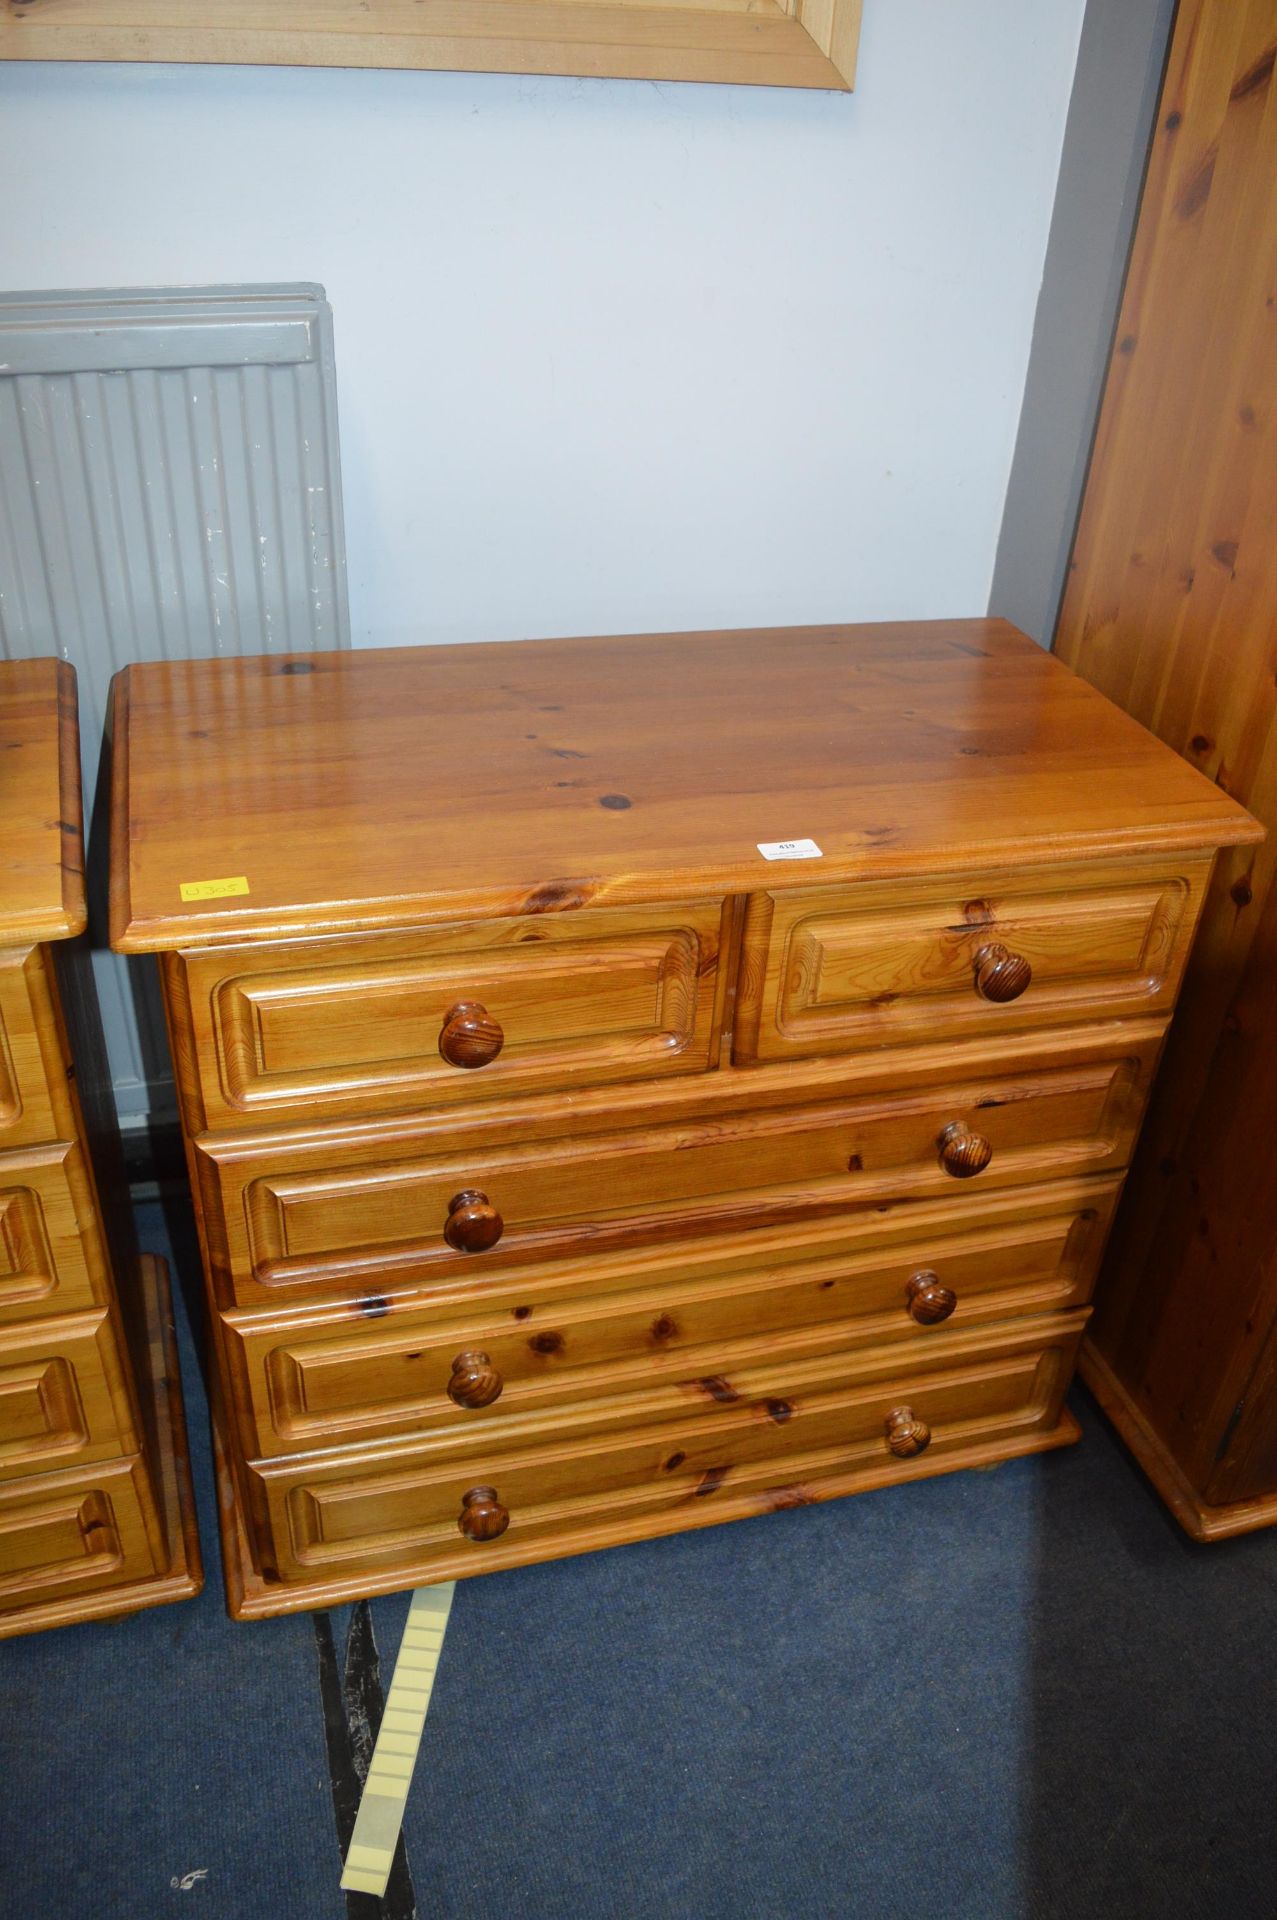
456	1014
981	954
321	1212
323	1379
402	1507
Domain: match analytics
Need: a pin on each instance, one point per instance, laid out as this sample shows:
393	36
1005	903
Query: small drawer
389	1207
836	969
49	1264
419	1511
68	1533
576	1337
63	1397
391	1022
27	1111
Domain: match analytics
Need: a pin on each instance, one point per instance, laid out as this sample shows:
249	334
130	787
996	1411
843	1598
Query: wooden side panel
1191	1348
871	966
1246	1470
1171	610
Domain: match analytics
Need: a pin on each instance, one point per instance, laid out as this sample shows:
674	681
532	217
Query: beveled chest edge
22	929
1222	822
737	880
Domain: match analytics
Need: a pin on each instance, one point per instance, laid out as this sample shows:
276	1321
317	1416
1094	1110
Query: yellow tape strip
380	1817
213	889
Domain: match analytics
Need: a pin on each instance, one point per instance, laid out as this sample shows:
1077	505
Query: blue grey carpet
1006	1694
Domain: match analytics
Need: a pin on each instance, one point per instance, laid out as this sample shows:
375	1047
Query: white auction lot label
789	850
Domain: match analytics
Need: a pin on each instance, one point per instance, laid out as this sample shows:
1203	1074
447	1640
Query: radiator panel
170	488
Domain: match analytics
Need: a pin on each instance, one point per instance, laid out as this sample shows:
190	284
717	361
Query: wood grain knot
710	1481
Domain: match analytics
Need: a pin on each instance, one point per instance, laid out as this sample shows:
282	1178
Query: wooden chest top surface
41	863
383	788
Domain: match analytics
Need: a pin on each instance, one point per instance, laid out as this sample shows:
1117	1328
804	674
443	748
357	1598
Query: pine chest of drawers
635	1083
96	1514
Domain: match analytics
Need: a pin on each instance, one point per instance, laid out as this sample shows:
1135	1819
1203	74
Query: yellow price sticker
213	889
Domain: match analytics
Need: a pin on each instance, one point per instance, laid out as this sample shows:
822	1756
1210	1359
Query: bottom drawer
63	1534
404	1513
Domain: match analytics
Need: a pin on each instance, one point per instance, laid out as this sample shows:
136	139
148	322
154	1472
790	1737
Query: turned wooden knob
1001	974
470	1037
962	1152
475	1381
906	1434
472	1225
929	1302
482	1515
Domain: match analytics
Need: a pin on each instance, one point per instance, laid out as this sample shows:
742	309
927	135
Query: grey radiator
169	488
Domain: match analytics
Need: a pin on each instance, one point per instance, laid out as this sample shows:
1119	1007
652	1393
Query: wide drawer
63	1395
579	1336
26	1009
378	1209
48	1264
391	1022
400	1508
67	1533
838	969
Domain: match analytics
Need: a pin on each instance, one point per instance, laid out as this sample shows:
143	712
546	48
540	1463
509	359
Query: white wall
1121	55
611	355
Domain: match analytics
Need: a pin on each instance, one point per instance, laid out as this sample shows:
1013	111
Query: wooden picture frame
773	43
